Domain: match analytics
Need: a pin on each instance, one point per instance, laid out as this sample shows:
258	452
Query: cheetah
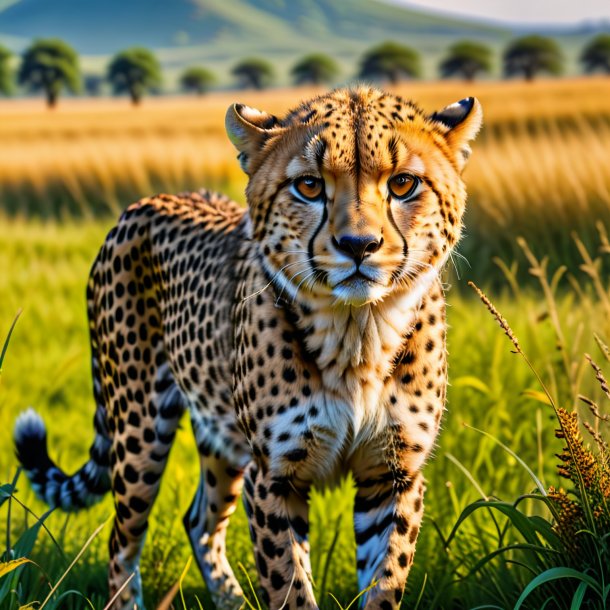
304	335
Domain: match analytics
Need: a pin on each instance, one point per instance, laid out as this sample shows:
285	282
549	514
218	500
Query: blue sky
562	12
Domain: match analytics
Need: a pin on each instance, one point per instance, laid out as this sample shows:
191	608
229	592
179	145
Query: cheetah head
356	194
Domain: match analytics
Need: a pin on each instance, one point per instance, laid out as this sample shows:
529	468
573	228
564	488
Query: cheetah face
356	194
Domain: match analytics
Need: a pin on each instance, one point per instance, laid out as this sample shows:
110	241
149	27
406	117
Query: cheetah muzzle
304	335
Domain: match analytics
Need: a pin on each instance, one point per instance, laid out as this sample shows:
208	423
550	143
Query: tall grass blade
579	595
421	592
23	547
72	592
184	572
8	566
7	340
363	592
557	574
248	602
40	520
468	475
119	591
539	484
97	530
336	601
3	497
331	550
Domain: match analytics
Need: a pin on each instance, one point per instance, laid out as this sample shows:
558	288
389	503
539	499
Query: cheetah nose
358	247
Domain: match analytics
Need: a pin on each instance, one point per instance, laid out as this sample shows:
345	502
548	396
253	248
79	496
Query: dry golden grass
502	101
543	158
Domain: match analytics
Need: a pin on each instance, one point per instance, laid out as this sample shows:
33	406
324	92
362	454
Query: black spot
133	445
150	478
133	419
296	455
262	565
260	516
138	504
122	511
289	374
269	547
280	487
130	474
402	525
299	525
118	485
277	524
277	580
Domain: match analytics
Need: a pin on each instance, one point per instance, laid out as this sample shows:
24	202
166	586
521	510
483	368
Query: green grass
47	366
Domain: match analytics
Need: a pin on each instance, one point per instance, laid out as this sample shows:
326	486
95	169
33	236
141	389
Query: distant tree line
51	66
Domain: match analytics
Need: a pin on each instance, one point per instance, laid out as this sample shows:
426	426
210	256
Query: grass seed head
497	315
599	376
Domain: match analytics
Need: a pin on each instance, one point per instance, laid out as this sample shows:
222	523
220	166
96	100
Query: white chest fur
356	348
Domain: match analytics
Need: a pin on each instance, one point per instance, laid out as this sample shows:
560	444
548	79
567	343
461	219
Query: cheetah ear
461	122
248	129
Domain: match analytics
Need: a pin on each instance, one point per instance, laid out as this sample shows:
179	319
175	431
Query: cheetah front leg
389	498
387	515
278	516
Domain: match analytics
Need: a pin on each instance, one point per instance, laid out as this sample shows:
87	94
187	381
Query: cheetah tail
70	493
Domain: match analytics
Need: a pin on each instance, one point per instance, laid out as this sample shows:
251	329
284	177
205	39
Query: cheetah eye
403	186
308	188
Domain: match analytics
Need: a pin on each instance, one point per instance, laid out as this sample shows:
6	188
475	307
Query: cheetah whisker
461	256
291	278
314	279
254	294
296	292
454	265
311	281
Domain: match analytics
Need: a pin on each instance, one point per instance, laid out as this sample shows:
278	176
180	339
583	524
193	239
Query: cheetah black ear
460	122
248	129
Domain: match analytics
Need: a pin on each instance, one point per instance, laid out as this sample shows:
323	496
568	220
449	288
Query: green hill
217	33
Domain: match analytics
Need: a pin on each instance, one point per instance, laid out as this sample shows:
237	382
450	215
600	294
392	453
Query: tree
316	68
93	84
466	59
253	73
6	77
197	80
391	61
596	55
532	54
50	65
134	71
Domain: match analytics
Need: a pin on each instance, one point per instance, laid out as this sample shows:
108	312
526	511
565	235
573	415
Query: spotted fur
305	338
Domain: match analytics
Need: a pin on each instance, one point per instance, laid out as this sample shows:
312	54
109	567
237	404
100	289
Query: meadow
536	241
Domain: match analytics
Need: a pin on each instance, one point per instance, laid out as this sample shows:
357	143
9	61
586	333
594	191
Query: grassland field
541	170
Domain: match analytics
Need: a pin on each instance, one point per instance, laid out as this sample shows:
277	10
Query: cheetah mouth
357	279
358	289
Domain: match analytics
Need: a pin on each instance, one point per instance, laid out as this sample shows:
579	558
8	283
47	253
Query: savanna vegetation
52	66
504	526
